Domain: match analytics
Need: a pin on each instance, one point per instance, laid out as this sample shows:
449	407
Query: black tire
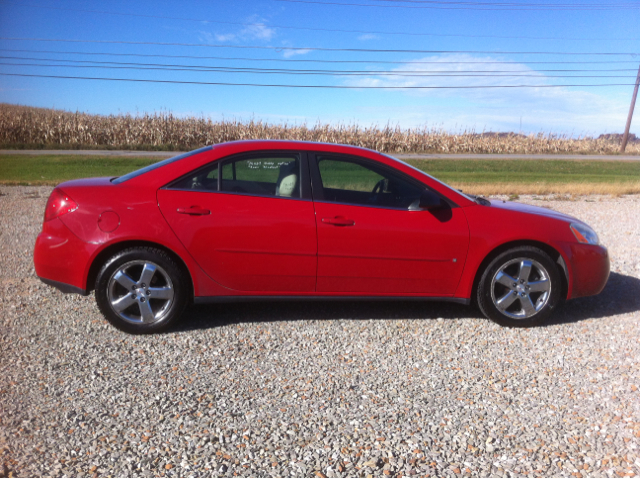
134	306
520	287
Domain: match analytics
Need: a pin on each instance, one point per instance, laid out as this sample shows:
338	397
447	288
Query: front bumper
61	259
590	269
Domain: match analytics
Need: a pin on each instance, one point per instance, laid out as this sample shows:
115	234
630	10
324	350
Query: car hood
532	210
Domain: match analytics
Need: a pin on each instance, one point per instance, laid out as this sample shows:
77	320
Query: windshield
469	197
159	164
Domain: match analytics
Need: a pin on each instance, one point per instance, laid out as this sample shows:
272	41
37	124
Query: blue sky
223	29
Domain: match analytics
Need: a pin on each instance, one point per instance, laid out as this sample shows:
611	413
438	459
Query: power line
416	73
300	60
266	72
320	49
322	71
332	87
474	6
516	4
527	5
315	29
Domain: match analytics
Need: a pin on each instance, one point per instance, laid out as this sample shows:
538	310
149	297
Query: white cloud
368	36
206	37
539	108
258	30
452	71
288	53
225	38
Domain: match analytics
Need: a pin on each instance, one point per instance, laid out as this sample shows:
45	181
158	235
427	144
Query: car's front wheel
520	287
141	290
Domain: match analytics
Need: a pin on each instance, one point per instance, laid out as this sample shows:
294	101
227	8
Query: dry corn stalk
29	126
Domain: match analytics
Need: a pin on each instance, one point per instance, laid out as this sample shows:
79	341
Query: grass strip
544	188
530	171
54	169
487	177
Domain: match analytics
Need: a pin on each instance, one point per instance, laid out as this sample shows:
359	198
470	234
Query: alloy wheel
520	288
140	292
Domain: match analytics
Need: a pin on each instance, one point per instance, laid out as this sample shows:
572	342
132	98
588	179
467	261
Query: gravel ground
320	389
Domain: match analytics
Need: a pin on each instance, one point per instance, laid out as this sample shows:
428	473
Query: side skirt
239	298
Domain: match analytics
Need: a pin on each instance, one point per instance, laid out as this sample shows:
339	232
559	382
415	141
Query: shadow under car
621	295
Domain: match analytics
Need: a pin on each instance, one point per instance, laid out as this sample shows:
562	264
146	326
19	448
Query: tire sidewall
484	297
153	255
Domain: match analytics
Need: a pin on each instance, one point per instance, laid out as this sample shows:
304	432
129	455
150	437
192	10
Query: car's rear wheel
142	290
520	287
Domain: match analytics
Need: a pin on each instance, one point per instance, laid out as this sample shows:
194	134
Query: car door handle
339	221
194	211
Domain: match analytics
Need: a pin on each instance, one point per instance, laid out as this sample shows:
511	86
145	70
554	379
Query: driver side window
347	176
355	182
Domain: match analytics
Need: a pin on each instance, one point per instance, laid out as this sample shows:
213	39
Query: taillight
59	203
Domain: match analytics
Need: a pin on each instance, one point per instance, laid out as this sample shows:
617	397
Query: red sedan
280	219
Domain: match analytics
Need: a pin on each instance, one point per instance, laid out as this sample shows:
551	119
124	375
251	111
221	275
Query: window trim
305	183
317	185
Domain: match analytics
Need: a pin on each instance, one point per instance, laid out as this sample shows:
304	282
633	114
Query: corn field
30	127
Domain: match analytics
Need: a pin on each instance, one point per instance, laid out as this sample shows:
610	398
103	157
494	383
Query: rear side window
204	179
266	176
260	175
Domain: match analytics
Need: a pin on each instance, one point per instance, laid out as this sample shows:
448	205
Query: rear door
370	241
248	221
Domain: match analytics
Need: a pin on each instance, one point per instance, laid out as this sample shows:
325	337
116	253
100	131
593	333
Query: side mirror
430	200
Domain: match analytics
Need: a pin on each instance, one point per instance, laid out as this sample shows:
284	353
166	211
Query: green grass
54	169
486	174
530	171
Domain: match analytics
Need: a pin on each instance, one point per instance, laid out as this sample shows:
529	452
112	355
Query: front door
369	241
247	222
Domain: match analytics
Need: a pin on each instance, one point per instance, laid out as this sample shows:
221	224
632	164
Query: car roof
290	144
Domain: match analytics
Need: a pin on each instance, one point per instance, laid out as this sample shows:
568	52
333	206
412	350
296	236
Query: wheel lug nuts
515	284
521	294
143	285
515	293
133	288
148	293
521	281
142	300
133	296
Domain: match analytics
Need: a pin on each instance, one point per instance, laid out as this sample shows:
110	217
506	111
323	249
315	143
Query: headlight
584	234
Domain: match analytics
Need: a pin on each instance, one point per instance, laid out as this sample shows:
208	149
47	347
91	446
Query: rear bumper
61	259
589	267
64	287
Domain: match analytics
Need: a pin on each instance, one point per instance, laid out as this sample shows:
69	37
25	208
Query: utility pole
625	138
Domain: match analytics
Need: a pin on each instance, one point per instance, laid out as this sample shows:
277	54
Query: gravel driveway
320	389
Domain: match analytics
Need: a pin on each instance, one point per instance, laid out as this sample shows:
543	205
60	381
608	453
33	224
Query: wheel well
111	250
552	252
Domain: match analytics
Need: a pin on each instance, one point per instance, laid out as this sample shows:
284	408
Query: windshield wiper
478	199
